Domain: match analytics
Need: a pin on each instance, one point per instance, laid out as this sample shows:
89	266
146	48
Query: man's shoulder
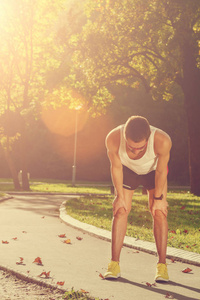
113	137
162	141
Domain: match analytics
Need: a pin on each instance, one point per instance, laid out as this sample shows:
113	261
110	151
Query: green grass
57	186
183	217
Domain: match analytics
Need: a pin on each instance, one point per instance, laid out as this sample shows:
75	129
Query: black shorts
131	180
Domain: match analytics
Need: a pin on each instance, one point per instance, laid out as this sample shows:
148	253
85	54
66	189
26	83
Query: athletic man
139	155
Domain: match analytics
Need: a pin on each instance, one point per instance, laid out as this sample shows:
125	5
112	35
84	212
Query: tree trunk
191	88
12	166
25	179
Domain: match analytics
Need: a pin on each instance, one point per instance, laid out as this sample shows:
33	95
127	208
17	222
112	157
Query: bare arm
112	145
162	148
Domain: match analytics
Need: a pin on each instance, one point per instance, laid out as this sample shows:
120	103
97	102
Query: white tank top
147	162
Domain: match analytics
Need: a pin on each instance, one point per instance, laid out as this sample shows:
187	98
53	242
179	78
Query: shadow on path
158	290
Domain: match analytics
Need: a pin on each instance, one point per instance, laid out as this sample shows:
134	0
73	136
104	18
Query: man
139	155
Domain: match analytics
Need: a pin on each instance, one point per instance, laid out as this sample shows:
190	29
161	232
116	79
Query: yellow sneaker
113	270
161	273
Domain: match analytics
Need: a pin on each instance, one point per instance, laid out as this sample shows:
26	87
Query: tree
151	43
27	53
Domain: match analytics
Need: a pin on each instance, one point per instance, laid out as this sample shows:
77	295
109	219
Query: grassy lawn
183	217
58	186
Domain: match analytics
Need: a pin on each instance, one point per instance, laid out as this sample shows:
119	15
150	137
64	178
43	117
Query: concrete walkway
30	226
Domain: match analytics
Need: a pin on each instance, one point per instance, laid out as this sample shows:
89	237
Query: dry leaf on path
62	236
68	241
38	261
60	282
83	291
187	270
79	238
5	242
21	262
45	274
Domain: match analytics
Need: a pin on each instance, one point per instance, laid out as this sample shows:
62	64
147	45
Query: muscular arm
112	145
163	146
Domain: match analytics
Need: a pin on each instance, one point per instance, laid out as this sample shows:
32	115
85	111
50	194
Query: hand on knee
121	212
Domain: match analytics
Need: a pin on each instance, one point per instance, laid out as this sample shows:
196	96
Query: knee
122	213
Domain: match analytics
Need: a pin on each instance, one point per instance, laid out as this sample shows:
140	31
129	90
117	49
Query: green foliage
82	295
134	42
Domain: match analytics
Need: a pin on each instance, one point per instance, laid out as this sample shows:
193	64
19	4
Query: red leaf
24	231
60	282
79	238
47	275
20	262
38	261
172	260
185	231
183	207
148	284
14	238
173	231
100	275
5	242
62	235
187	270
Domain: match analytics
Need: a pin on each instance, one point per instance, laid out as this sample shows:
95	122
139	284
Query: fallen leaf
21	262
43	217
173	260
154	284
14	238
38	261
183	207
68	241
100	275
79	238
169	296
148	284
185	231
83	291
62	235
5	242
45	274
24	231
172	231
187	270
60	282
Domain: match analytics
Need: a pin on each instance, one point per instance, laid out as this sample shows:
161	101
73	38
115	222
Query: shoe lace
111	266
162	269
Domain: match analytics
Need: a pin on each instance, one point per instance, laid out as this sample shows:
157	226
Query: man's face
136	148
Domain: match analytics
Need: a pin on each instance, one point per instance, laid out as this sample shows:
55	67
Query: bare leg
119	226
160	228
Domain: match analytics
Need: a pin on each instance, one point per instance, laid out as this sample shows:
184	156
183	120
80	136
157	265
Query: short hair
137	128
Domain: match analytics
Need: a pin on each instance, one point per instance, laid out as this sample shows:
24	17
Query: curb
148	247
6	197
33	280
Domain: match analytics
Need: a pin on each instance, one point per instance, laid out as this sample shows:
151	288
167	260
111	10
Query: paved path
34	221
